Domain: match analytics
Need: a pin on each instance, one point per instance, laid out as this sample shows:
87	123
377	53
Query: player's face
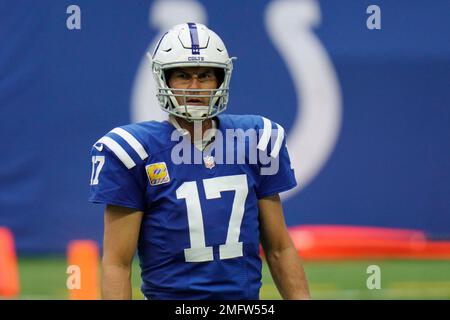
193	78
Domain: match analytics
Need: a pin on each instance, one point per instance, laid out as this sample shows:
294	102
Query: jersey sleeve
115	176
276	173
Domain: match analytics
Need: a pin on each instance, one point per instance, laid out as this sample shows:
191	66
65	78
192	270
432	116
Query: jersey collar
199	144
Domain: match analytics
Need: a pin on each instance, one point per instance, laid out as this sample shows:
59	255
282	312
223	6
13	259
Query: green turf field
45	278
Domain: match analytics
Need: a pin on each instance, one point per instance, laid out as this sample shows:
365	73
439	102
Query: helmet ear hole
167	75
220	75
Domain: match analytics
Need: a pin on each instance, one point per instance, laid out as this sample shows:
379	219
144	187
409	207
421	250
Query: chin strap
193	112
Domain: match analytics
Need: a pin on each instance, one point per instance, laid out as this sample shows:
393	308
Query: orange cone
82	270
9	273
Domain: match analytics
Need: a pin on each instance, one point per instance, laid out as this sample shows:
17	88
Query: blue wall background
61	90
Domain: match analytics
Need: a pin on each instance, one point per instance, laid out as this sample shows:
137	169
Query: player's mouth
195	102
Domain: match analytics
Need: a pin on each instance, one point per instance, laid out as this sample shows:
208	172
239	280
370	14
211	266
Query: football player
197	226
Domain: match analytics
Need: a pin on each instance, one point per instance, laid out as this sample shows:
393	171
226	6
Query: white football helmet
191	45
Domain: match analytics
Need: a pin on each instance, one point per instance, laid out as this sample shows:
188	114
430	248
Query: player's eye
180	75
206	76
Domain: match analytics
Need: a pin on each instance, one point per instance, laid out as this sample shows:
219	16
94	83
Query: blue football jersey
199	237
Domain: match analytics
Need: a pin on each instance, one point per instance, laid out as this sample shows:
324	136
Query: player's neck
195	129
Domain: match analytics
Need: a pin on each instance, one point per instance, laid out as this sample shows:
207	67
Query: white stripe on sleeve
132	141
280	137
118	151
264	141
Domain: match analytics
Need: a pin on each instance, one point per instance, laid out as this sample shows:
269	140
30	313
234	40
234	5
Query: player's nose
194	83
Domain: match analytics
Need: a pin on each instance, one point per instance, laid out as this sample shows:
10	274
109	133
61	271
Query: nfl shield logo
209	162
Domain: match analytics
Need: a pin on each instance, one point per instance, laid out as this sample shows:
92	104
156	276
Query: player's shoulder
270	135
133	143
248	121
152	132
